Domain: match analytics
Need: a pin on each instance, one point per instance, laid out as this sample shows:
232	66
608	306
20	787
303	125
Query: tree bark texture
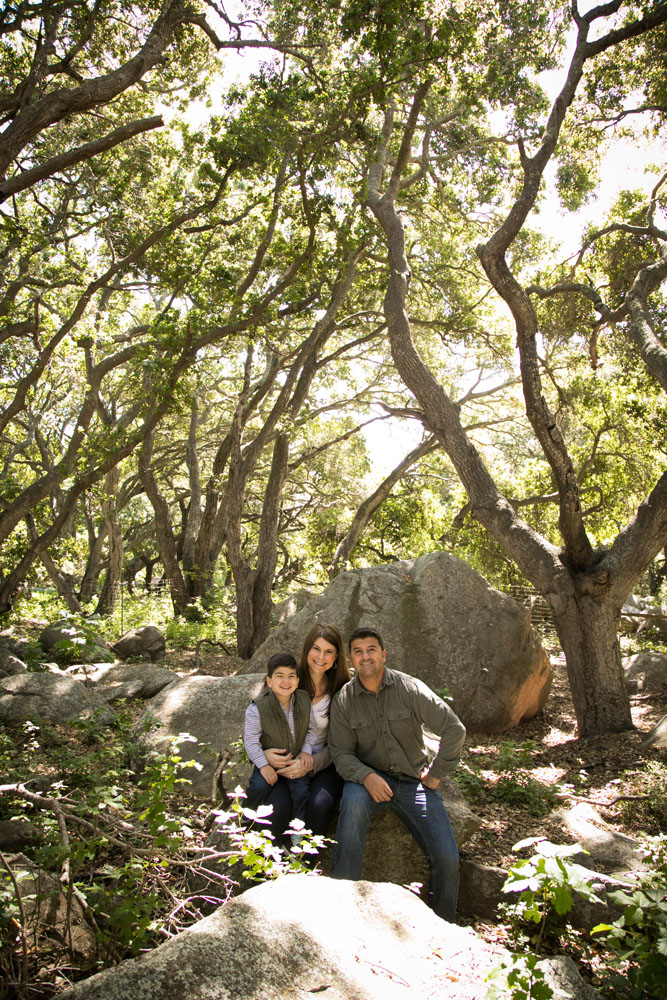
114	576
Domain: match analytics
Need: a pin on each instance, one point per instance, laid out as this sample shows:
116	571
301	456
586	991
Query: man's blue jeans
423	813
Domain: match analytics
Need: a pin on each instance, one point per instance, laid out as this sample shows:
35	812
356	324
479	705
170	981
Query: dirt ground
591	769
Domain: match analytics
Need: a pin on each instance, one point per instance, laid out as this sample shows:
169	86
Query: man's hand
307	761
377	788
427	781
269	775
278	758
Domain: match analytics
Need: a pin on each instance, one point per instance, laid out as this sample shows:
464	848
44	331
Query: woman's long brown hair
338	674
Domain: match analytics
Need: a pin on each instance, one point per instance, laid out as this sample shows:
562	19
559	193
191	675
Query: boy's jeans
258	791
423	813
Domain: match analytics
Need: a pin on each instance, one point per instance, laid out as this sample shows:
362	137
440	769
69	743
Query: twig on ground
22	928
597	802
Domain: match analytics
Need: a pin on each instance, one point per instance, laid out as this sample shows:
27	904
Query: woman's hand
298	768
278	759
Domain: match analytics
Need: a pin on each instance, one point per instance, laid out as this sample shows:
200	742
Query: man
376	735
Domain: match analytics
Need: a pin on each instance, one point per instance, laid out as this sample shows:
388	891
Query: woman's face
321	657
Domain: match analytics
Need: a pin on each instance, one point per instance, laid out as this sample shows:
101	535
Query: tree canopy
212	279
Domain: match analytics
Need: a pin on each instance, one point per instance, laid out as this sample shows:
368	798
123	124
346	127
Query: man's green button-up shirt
384	730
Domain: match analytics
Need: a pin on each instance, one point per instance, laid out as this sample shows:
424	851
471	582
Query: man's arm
443	722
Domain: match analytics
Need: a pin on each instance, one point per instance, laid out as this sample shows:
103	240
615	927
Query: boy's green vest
275	730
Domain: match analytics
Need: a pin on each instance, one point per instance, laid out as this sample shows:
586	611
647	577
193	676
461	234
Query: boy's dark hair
365	633
279	660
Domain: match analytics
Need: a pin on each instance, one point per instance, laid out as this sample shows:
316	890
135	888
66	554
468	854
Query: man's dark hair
280	660
365	633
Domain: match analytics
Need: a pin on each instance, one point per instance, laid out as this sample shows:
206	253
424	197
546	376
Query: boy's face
283	683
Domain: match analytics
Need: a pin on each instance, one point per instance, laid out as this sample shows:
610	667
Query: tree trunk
588	633
267	550
113	581
63	584
164	534
91	576
193	519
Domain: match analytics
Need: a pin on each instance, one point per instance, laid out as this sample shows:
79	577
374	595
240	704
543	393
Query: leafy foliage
507	779
638	938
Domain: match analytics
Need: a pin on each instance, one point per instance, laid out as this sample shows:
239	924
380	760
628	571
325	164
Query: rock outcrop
50	697
301	936
442	622
147	640
646	673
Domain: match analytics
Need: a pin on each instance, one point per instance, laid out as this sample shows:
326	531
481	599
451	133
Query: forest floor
596	770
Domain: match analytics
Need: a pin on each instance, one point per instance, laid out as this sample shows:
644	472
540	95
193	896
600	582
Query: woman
323	669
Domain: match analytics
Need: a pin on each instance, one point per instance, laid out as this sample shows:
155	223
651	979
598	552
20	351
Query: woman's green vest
275	729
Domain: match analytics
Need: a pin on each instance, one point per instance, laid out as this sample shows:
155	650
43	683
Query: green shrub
514	784
638	938
545	885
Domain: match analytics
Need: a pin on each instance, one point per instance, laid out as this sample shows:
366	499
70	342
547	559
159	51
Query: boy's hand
307	761
269	775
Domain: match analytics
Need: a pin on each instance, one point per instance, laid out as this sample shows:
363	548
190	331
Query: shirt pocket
399	721
365	731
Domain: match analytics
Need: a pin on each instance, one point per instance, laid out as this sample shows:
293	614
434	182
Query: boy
279	717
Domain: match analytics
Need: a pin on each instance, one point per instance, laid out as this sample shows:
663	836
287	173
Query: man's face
367	658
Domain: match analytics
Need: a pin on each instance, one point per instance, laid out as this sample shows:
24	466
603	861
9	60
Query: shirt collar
387	678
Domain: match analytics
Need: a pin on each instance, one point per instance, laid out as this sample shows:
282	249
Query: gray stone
646	673
606	849
50	697
563	977
16	834
124	680
444	623
655	625
212	710
10	665
657	738
300	936
147	640
480	890
481	893
80	649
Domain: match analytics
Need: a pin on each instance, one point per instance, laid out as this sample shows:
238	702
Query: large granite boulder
74	642
124	680
442	622
48	696
212	710
301	936
147	640
646	673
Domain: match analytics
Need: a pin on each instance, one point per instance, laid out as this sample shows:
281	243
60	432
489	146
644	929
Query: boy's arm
306	752
252	730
